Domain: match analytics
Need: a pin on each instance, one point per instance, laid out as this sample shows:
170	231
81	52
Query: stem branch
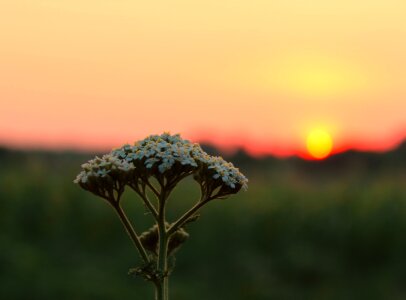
153	189
175	226
131	232
147	202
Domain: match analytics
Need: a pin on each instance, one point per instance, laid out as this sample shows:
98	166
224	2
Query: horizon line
227	151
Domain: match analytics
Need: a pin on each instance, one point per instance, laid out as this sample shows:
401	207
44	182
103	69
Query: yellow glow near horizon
319	143
317	76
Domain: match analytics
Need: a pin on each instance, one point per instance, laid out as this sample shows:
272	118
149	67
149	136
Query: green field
303	230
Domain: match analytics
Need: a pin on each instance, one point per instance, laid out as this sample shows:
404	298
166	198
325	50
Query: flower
102	176
161	153
169	158
216	173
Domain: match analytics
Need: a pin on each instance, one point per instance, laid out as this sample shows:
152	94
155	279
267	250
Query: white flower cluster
107	165
167	155
224	171
160	151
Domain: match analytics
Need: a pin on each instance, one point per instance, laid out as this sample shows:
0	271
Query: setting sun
319	143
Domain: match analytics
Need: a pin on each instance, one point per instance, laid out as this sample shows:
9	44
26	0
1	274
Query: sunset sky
94	74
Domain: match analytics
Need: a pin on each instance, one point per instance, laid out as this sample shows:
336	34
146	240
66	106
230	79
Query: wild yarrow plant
154	166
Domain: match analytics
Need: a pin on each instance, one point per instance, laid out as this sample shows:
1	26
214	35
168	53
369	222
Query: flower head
163	155
169	158
102	176
217	174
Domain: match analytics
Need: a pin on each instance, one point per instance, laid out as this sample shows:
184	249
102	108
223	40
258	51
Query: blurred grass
298	233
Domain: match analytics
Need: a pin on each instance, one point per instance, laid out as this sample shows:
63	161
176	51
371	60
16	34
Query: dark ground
304	230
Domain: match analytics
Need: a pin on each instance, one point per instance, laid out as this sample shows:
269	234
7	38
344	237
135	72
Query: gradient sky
94	74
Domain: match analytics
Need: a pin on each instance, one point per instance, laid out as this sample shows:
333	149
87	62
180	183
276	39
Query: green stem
175	226
153	189
131	232
150	206
159	292
162	263
146	201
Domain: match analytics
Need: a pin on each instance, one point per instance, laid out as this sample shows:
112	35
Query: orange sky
98	73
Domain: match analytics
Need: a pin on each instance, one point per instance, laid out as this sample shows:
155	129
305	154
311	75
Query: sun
319	143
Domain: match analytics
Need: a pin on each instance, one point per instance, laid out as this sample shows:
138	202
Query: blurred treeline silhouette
304	230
